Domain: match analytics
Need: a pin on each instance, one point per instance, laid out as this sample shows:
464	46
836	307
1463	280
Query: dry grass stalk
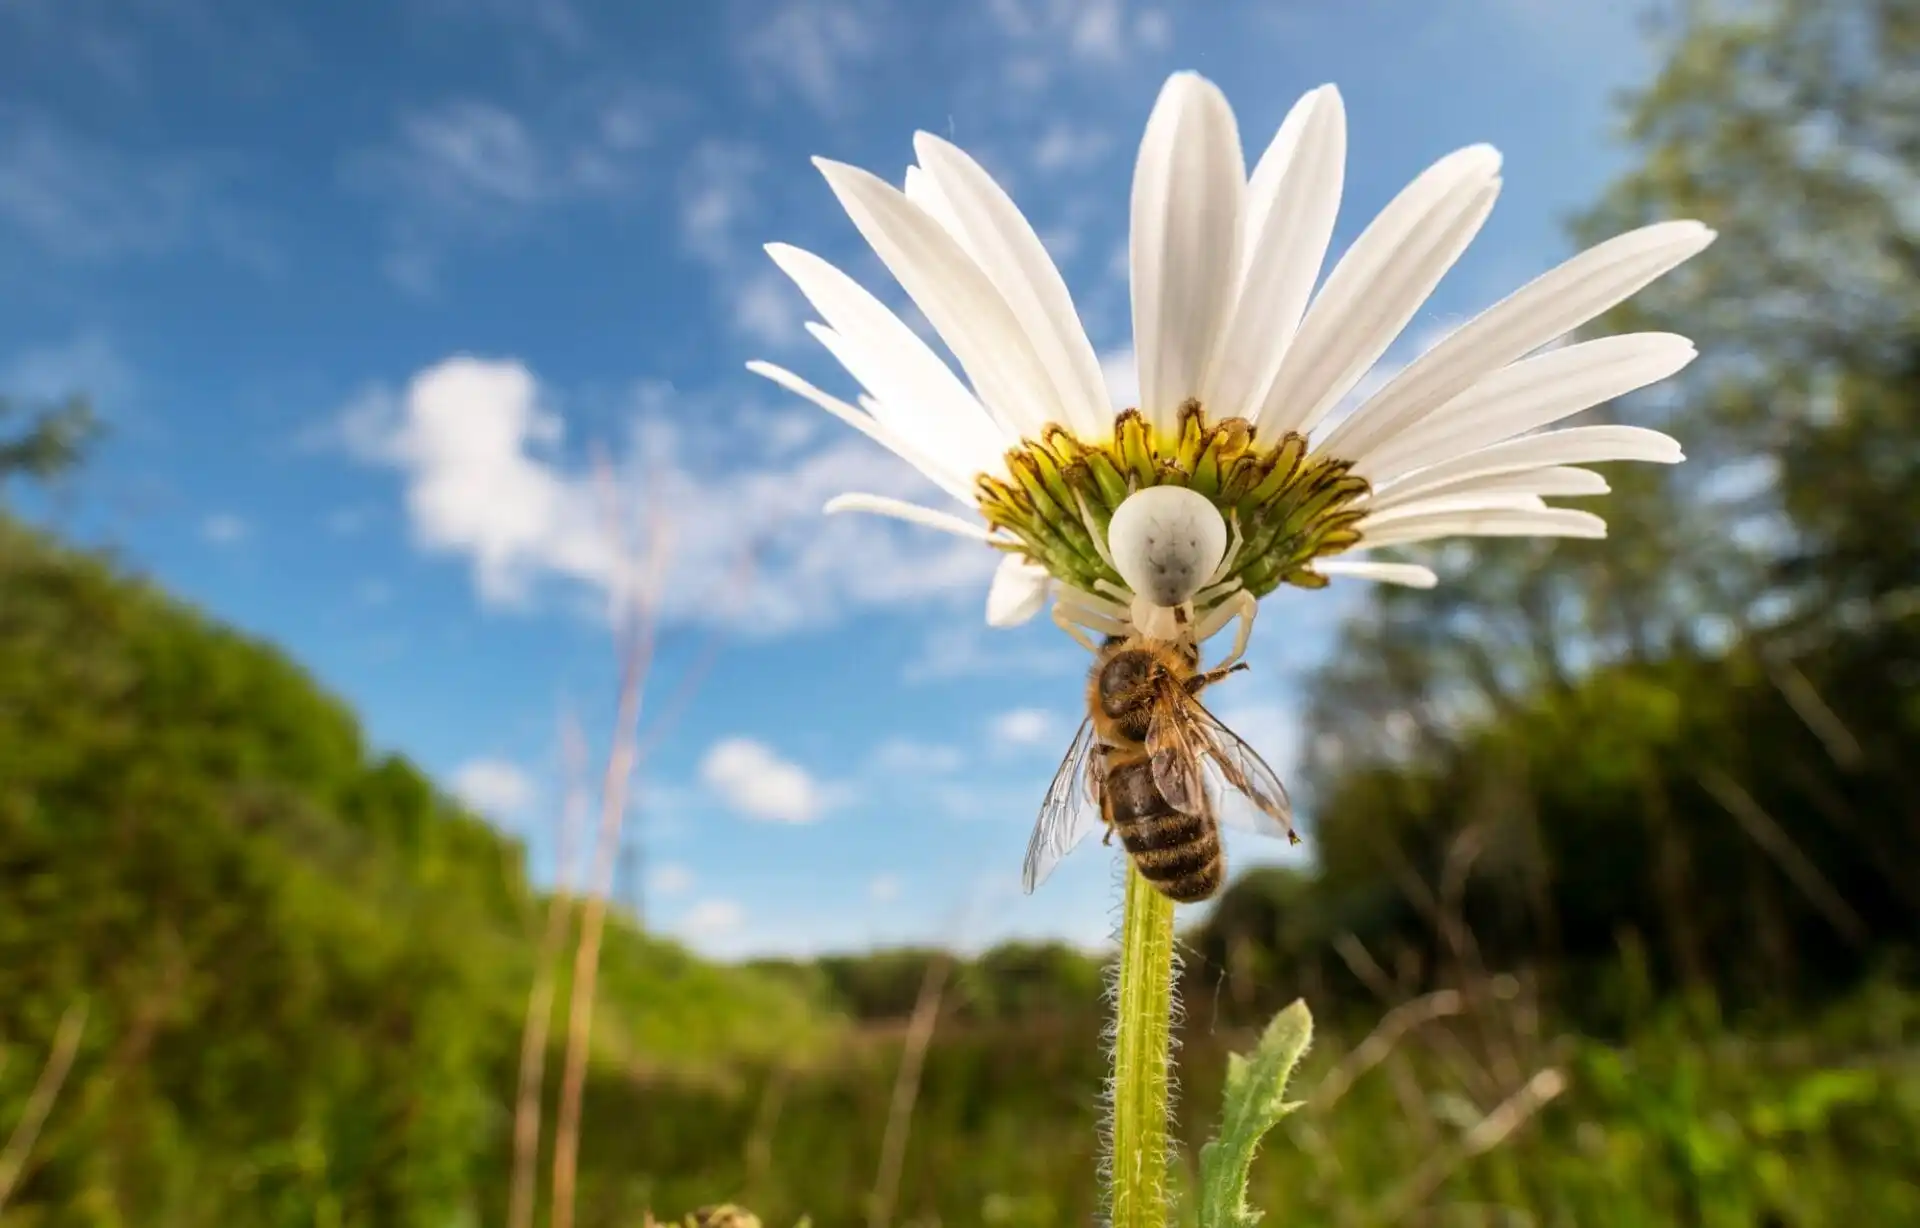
758	1153
634	628
906	1089
533	1036
1370	1052
46	1090
1773	840
1486	1134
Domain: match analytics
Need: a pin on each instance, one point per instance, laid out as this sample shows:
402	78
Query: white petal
1291	204
870	425
1411	575
1580	445
1000	239
1019	590
832	404
1501	500
1552	481
1185	241
922	190
1529	394
1378	286
1548	307
881	505
892	362
1497	522
957	297
940	464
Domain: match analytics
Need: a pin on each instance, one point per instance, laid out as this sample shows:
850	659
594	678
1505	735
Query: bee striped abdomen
1179	854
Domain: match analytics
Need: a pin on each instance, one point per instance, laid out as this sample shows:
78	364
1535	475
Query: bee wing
1246	779
1070	813
1176	738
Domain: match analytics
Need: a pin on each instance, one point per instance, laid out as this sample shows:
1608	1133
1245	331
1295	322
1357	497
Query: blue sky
362	287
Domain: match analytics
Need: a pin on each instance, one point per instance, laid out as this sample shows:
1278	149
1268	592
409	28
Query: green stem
1142	1061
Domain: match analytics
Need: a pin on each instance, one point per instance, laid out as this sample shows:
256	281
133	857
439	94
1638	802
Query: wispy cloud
910	758
710	919
496	788
809	48
558	21
1065	146
486	479
670	879
77	198
721	193
87	365
472	169
225	529
966	647
1022	728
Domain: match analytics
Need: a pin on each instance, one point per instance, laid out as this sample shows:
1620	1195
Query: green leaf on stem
1255	1101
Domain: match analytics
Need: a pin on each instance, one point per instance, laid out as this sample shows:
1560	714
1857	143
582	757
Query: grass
1685	1121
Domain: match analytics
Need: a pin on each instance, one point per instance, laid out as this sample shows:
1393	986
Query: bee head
1166	542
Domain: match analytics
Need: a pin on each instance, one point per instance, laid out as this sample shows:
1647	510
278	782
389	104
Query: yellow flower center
1289	508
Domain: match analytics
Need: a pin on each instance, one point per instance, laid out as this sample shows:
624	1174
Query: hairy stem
1142	1061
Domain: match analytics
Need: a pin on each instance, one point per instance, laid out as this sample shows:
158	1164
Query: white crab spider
1173	549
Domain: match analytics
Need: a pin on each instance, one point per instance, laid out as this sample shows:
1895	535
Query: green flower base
1290	508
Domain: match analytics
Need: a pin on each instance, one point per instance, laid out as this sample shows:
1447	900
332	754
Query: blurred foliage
306	966
1016	980
53	440
1624	836
1699	736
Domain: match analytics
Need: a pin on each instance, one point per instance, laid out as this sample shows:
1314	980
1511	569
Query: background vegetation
1614	921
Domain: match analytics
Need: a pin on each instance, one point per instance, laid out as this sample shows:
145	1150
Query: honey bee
1142	764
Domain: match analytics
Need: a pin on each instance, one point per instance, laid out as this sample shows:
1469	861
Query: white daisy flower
1235	480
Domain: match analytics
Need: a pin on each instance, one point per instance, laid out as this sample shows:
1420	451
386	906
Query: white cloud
1022	727
670	879
224	529
766	308
493	787
484	481
81	199
342	521
1089	33
906	757
557	20
884	888
716	194
471	168
469	155
971	649
712	919
812	47
759	784
87	365
718	199
1066	146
